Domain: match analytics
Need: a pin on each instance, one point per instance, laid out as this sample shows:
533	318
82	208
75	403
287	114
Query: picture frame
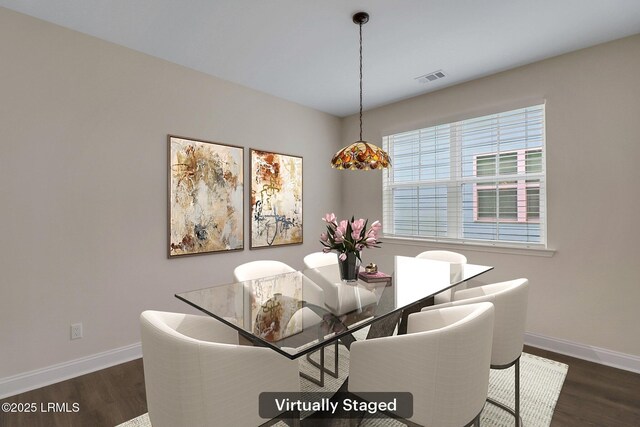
205	197
276	199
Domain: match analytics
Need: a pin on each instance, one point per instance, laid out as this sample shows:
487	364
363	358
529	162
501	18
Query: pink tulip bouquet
349	236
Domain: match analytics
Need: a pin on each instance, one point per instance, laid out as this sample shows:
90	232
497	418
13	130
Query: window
480	179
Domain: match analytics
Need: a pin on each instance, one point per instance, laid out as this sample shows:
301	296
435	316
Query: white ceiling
306	51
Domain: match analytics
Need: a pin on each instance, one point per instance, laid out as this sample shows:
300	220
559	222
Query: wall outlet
76	331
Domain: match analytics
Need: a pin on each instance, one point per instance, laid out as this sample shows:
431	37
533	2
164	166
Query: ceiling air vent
431	77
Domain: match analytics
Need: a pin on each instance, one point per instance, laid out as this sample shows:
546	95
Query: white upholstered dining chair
261	268
339	298
457	262
510	301
312	294
253	270
320	259
443	361
197	375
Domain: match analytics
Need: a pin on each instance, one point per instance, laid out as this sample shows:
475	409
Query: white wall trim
628	362
469	246
31	380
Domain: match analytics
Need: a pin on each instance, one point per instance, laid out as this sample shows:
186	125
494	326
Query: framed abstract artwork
276	199
206	197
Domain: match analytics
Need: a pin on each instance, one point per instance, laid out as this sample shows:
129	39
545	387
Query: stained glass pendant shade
361	155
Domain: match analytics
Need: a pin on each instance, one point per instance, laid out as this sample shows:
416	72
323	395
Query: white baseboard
628	362
21	383
31	380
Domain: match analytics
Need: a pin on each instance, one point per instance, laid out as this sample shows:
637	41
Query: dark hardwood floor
592	395
595	395
105	398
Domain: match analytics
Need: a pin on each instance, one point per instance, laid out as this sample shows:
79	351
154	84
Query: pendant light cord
360	81
361	155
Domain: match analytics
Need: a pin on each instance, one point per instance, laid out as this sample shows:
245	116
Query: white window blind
477	180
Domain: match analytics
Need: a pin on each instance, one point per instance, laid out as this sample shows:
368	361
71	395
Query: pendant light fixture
361	155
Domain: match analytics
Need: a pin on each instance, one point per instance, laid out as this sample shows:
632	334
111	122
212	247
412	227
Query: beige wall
83	186
588	292
83	183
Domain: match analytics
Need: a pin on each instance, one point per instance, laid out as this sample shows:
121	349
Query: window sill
500	248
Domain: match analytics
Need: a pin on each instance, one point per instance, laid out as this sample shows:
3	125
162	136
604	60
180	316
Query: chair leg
516	410
335	361
517	385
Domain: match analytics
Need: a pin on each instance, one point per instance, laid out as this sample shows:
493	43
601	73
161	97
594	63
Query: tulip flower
330	218
336	238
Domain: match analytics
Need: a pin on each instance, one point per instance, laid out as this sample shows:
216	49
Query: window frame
455	221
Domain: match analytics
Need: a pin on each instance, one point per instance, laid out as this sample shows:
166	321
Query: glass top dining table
299	312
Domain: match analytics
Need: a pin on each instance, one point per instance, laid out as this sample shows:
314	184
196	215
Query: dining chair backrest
338	297
447	256
197	375
443	361
320	259
510	301
457	262
311	293
258	269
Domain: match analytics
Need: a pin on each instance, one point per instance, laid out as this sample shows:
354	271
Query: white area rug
540	384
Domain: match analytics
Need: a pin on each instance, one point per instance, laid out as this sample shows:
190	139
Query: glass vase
350	267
